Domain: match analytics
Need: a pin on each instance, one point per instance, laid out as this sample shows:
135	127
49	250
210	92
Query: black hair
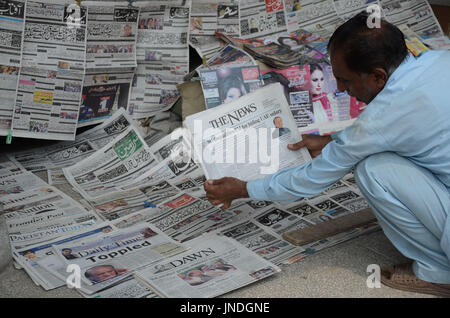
313	67
281	38
230	82
365	48
274	77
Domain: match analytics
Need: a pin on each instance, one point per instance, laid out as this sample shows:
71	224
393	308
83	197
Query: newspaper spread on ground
19	182
417	14
225	84
209	16
221	136
262	18
11	30
108	259
67	153
262	241
213	266
110	60
52	71
118	162
40	261
162	56
318	16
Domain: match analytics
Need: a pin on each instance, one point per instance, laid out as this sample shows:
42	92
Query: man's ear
379	77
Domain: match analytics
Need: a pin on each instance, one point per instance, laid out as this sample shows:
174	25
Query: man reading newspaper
399	147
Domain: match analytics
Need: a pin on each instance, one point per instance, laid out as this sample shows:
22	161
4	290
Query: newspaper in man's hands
247	138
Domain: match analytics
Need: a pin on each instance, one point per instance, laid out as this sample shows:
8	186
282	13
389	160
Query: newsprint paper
213	266
247	138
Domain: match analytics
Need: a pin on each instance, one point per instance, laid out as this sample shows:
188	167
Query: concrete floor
338	271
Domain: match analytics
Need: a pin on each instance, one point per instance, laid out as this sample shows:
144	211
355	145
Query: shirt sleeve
346	149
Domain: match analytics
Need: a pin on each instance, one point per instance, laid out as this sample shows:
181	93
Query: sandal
402	277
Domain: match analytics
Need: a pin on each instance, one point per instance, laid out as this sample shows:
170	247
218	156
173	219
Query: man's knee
372	173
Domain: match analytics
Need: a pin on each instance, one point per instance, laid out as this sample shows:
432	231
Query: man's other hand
314	143
225	190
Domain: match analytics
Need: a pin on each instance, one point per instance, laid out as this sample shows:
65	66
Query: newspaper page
318	16
52	71
262	18
263	242
346	9
19	182
107	259
67	153
105	91
213	266
221	136
11	30
209	16
110	60
186	217
226	84
117	163
314	99
417	14
7	166
129	288
162	56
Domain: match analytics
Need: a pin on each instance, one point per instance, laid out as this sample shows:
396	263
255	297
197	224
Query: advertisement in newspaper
162	56
117	163
226	84
11	30
246	138
109	258
213	266
52	70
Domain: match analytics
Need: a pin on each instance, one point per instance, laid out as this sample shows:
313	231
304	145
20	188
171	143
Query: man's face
363	87
278	122
104	273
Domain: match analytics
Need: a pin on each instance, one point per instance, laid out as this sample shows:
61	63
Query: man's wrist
244	192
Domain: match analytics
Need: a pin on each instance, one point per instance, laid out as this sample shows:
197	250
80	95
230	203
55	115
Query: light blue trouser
413	209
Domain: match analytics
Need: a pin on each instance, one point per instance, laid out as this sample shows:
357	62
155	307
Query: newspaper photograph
213	266
262	18
221	136
209	16
11	30
118	162
107	259
318	16
281	221
225	84
52	70
162	56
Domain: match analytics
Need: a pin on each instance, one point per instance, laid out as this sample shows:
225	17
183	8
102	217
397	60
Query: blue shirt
410	116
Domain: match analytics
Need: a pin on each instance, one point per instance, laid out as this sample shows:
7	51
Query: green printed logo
128	146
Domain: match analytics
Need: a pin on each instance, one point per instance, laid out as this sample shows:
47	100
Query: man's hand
313	143
225	190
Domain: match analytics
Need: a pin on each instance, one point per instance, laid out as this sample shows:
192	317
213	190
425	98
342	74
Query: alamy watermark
374	18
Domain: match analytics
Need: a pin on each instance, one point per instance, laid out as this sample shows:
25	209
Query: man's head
363	58
66	251
278	122
100	273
